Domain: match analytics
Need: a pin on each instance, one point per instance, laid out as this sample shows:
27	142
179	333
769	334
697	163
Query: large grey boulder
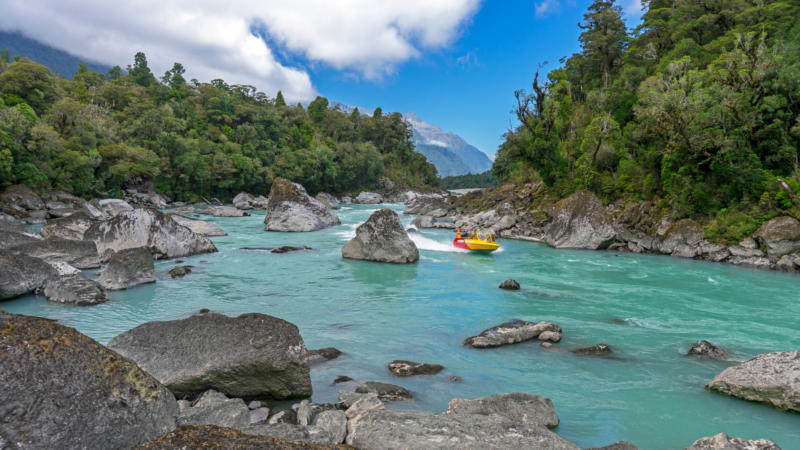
253	356
515	332
61	389
72	227
147	228
80	254
225	211
23	197
368	198
682	239
10	239
214	408
771	378
290	208
199	227
111	207
22	274
523	408
128	268
334	422
779	236
75	290
384	428
722	441
243	200
328	200
580	221
382	238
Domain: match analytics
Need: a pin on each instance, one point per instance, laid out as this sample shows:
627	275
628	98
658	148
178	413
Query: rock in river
147	227
386	392
21	274
514	332
61	389
71	227
290	208
128	268
580	221
180	271
722	441
382	238
323	354
368	198
408	368
707	349
524	408
75	290
225	211
599	349
771	378
200	227
253	356
509	284
79	254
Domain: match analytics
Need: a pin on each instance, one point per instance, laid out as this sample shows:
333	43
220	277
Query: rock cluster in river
382	238
515	332
290	208
771	378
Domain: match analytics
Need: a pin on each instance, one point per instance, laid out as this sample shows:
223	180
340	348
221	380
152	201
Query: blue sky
468	87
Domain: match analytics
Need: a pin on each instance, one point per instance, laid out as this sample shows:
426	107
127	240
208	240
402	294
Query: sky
456	63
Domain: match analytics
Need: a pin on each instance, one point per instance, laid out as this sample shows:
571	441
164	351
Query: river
650	309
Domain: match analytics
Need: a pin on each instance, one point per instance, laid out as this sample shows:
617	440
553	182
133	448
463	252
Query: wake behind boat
476	241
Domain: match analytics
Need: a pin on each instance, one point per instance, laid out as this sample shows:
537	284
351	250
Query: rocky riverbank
581	221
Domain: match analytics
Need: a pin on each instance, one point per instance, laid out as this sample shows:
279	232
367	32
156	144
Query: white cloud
213	39
546	7
467	60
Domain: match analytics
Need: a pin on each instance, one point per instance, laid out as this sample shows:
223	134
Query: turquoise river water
650	309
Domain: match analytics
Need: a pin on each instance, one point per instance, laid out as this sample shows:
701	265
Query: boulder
523	408
10	239
361	405
342	379
513	332
128	268
253	356
61	389
75	290
290	248
599	349
789	263
510	285
180	271
779	236
368	198
384	428
285	416
210	436
23	197
386	392
323	354
722	441
72	227
771	378
349	398
225	211
290	208
199	227
334	422
707	349
243	200
382	238
22	274
214	408
259	415
295	433
328	200
112	207
8	223
147	228
80	254
408	368
424	222
580	221
682	239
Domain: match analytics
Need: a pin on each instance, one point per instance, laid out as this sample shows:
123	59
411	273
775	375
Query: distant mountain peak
449	152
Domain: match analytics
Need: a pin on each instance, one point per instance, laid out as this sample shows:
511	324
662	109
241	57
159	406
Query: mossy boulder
382	238
61	389
682	239
580	221
290	208
779	236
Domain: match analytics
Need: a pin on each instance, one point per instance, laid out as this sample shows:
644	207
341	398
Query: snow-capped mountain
449	152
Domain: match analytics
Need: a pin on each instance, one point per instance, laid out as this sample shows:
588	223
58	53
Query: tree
29	82
140	72
604	36
279	101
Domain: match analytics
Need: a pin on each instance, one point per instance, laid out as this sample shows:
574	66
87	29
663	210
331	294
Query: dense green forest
470	180
698	109
88	135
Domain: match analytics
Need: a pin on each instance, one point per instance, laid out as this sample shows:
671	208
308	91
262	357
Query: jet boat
476	241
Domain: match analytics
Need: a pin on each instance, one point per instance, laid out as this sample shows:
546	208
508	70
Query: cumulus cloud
214	39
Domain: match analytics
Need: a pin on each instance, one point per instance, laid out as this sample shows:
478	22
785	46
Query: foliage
90	134
699	107
480	180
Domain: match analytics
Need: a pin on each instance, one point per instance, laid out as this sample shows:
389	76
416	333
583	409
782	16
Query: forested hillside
90	134
59	61
698	109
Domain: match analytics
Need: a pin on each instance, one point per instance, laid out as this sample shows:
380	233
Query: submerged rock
408	368
514	332
128	268
386	392
290	208
61	389
323	354
199	227
707	349
253	356
180	271
771	378
580	221
523	408
290	248
147	228
510	285
210	436
599	349
75	290
382	238
384	428
342	379
73	226
22	274
722	441
225	211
